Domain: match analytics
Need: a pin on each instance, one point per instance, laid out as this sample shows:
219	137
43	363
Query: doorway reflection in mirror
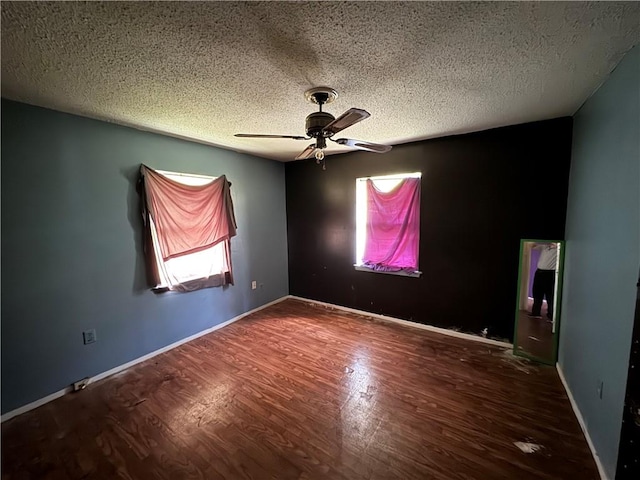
538	296
544	279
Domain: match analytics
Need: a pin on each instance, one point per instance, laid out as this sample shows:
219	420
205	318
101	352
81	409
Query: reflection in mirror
537	315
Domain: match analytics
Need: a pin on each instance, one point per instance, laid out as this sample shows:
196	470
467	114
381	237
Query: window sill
362	268
217	280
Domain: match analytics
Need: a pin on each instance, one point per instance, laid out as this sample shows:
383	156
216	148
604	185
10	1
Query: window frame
361	222
192	179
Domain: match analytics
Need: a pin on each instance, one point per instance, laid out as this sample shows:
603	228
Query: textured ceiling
205	71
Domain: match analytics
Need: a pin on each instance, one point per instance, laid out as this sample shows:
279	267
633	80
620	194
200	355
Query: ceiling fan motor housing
316	122
322	125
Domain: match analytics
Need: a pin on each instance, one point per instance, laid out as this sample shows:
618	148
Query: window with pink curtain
392	235
189	225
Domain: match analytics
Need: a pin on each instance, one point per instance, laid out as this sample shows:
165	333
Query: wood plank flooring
304	392
535	336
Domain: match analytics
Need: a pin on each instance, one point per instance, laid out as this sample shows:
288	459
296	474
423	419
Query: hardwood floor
535	336
303	392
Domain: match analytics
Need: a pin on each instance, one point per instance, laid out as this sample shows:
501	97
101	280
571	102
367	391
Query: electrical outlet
254	285
89	336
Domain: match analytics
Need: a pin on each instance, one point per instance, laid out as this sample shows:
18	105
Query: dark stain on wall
481	193
629	452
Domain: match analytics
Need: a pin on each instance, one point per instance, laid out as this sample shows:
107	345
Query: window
388	223
188	259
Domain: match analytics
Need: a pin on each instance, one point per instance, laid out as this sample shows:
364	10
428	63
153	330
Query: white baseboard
35	404
124	366
583	426
120	368
407	323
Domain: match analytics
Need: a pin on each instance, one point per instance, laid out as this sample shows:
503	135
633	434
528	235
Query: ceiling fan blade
257	135
348	118
307	152
368	146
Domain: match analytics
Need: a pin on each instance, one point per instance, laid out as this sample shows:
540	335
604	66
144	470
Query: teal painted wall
603	254
71	247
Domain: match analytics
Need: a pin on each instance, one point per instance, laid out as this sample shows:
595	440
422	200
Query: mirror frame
557	300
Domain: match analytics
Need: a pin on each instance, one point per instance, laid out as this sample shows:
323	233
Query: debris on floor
519	363
368	395
528	447
138	402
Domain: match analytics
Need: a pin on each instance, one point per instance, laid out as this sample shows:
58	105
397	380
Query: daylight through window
388	223
203	265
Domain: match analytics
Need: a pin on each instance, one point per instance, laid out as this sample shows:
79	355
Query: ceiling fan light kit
321	126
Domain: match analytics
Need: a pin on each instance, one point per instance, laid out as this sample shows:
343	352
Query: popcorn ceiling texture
205	71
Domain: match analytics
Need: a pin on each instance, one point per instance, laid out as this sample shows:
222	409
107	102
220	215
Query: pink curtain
188	218
393	226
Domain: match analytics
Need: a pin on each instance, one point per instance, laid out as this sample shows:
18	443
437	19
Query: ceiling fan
322	126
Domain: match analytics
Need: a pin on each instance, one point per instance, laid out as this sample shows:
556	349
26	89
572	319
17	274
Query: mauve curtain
393	226
188	218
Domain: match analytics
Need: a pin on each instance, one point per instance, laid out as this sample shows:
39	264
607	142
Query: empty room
320	240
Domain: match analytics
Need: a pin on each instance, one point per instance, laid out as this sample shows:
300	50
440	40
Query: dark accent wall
481	193
629	453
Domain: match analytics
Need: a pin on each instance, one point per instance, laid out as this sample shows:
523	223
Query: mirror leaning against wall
539	291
